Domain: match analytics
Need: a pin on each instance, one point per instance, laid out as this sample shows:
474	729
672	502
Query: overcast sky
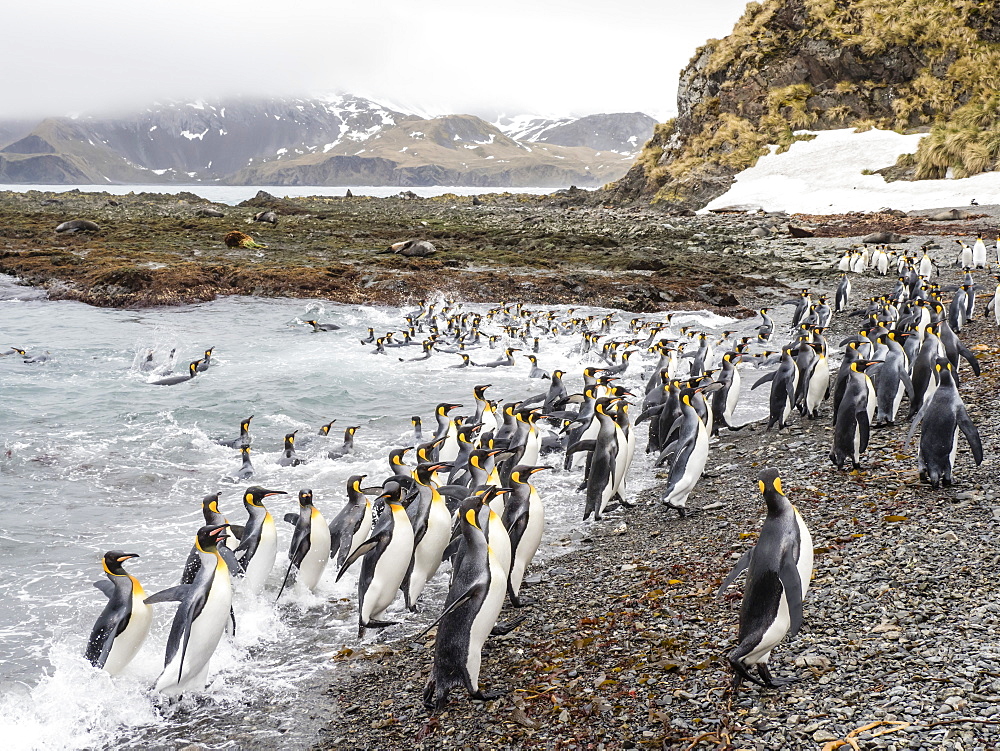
550	57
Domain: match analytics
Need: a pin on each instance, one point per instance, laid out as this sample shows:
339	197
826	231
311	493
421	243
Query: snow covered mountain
293	141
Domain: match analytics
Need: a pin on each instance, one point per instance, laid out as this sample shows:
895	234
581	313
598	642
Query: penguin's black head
305	497
210	536
113	561
290	437
479	391
253	495
211	502
325	430
444	408
209	351
425	471
245	425
522	472
193	367
769	482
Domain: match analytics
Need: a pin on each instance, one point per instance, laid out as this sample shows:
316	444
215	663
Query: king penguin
353	524
431	523
259	546
524	518
124	623
310	548
779	568
200	620
387	555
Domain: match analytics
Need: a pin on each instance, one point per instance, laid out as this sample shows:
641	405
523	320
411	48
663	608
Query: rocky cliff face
792	65
338	140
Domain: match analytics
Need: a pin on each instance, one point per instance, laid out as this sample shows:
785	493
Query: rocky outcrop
792	65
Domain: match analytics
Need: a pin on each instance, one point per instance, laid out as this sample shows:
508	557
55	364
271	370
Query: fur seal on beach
78	225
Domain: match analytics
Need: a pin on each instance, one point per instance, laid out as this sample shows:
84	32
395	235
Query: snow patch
416	134
191	136
281	151
153	128
823	176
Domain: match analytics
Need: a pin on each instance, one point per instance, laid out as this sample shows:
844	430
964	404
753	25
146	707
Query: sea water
95	458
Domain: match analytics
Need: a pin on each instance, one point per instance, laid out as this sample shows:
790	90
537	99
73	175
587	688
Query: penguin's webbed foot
681	510
770	681
486	695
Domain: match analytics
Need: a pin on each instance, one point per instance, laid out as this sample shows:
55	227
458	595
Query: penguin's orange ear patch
760	484
777	485
248	498
470	516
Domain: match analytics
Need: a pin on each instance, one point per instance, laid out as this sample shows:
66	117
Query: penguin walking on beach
259	547
471	609
784	382
941	418
854	416
123	625
690	453
603	454
843	295
892	380
387	553
309	551
779	568
353	524
524	519
200	620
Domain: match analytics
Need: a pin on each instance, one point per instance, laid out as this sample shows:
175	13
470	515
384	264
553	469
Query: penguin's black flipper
764	379
363	548
291	518
589	445
969	430
106	587
469	594
230	558
792	584
739	568
505	627
864	429
237	530
907	383
967	354
171	594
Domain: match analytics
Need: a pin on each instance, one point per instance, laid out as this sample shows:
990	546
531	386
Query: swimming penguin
259	546
470	611
206	361
325	429
536	372
310	548
244	440
245	472
353	524
200	620
779	568
418	433
214	518
175	379
524	519
122	626
430	520
347	447
288	457
387	554
323	326
210	510
941	417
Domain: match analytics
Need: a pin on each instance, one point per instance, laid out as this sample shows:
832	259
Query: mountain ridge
314	141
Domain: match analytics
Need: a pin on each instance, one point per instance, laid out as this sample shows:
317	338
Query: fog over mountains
335	140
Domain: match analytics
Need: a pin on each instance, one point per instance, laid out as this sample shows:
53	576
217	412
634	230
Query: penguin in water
177	378
122	626
245	472
524	518
348	445
323	326
353	524
259	546
470	611
200	620
206	361
942	417
288	456
387	556
779	568
310	548
325	429
244	440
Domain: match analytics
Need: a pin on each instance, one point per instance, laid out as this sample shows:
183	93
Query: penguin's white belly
805	562
692	471
621	459
532	449
427	555
127	643
818	384
732	397
262	562
527	546
449	449
315	561
389	571
953	453
486	618
897	399
499	541
206	632
774	634
364	529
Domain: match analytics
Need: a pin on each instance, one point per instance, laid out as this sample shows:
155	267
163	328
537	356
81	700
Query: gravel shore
625	648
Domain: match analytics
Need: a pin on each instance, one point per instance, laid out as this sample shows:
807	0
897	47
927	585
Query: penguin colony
467	496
